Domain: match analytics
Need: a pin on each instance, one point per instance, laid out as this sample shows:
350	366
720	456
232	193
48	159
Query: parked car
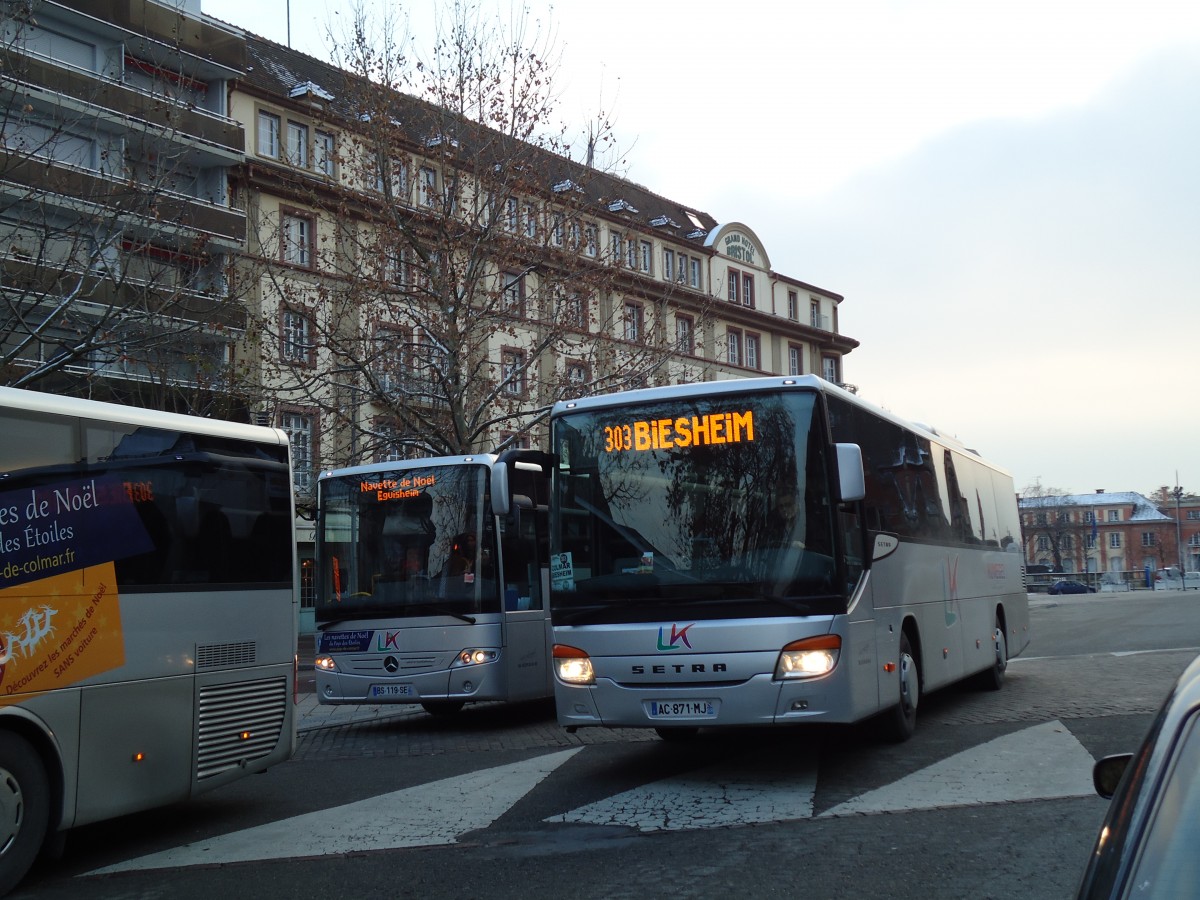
1070	587
1147	843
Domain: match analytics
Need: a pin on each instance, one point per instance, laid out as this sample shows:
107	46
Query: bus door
527	633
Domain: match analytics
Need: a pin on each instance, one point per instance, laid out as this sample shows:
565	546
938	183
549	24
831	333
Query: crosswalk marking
430	814
1039	763
768	790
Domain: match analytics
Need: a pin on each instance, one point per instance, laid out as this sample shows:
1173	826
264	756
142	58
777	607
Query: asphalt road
991	798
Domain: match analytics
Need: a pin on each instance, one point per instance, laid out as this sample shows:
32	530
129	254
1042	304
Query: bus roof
39	401
477	459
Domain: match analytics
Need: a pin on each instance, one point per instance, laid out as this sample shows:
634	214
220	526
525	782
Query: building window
296	343
668	265
1114	515
531	222
300	431
428	186
297	240
556	230
324	153
577	375
1114	540
634	321
573	309
752	341
1089	517
795	360
829	368
631	251
388	368
1043	543
512	372
1091	542
647	257
1147	538
748	289
512	214
617	243
735	283
1041	519
793	307
814	314
393	174
591	244
685	338
733	343
268	135
297	144
695	273
514	293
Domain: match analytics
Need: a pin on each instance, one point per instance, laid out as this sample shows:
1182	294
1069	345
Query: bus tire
442	707
24	808
992	678
900	721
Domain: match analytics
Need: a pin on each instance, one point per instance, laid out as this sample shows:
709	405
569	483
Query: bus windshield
409	542
722	503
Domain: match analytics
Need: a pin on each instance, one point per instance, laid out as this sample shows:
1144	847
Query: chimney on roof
1099	490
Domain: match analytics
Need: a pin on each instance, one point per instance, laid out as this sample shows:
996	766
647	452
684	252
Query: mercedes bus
432	582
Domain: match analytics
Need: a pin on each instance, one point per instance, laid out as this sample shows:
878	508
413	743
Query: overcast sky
1007	194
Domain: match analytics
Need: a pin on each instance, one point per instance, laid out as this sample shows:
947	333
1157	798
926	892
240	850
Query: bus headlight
476	656
573	666
809	658
325	664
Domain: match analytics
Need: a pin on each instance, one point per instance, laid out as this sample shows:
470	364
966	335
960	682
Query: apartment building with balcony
116	229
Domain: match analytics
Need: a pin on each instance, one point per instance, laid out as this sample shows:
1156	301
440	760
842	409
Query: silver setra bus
772	551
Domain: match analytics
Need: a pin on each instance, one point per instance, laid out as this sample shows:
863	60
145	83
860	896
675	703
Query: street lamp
1178	493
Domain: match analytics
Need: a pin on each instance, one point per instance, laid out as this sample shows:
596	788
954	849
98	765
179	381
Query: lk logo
677	634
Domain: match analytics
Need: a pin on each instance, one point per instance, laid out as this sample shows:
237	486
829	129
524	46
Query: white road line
752	790
1040	763
430	814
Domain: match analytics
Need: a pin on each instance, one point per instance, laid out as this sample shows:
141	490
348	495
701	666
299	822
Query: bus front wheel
24	808
900	721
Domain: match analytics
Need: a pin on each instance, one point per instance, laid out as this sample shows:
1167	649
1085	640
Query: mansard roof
290	77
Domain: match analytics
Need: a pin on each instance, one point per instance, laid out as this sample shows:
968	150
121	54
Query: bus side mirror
500	492
852	483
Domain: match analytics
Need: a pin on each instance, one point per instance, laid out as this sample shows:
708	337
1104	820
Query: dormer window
621	206
310	88
660	221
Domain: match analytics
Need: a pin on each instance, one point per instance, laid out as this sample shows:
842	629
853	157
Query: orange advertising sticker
59	630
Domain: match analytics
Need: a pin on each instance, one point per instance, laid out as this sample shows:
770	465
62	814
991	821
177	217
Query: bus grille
221	656
238	723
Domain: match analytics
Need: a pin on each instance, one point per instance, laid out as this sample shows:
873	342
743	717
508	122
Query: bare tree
1051	528
463	287
114	237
